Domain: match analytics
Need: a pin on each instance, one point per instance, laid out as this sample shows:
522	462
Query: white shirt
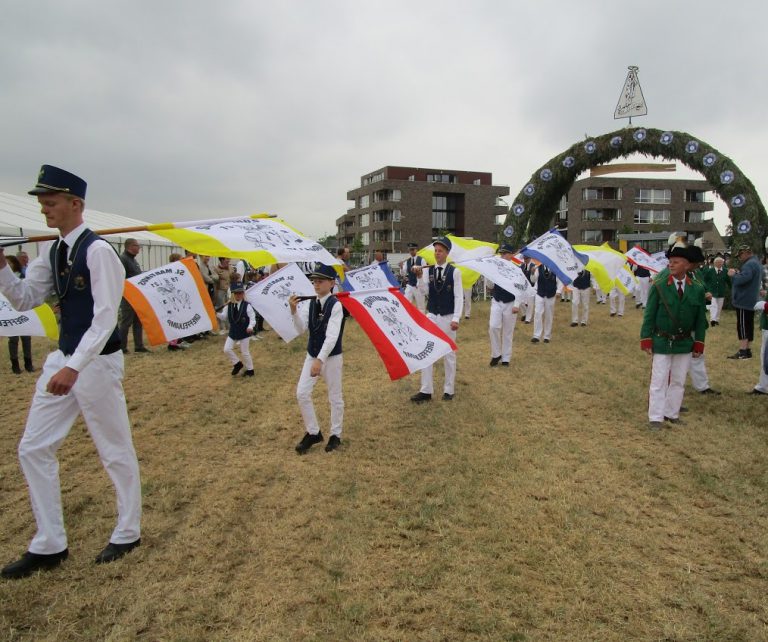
301	321
458	291
107	283
223	315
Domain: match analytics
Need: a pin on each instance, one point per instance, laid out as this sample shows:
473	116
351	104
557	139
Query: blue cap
52	179
506	248
322	271
445	242
414	246
236	287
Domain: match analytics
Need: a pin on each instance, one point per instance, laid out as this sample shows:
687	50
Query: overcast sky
182	110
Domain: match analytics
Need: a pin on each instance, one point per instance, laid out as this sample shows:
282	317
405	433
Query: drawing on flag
370	277
639	256
505	274
37	322
631	101
172	301
625	280
660	258
406	340
270	298
256	239
557	254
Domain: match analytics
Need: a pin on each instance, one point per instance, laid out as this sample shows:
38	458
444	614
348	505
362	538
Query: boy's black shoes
31	562
249	373
114	552
447	397
421	397
307	441
495	361
333	443
237	368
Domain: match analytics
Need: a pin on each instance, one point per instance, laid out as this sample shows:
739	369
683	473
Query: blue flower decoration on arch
529	189
744	227
569	161
666	138
616	141
709	159
546	174
727	177
590	147
692	146
640	135
738	200
509	231
518	209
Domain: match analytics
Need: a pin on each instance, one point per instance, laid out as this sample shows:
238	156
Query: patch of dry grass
536	505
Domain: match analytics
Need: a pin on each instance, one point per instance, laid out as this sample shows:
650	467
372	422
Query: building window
380	216
397	235
694	217
373	178
646	217
601	194
386	195
662	196
593	237
695	196
396	215
365	201
441	178
365	220
601	215
443	213
365	238
562	208
500	218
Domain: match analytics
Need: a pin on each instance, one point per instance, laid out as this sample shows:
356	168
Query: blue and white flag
371	277
505	274
553	251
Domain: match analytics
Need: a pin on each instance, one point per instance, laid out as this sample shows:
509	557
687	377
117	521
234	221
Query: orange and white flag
172	301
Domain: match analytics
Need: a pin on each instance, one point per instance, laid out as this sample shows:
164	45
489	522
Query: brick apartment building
395	206
638	210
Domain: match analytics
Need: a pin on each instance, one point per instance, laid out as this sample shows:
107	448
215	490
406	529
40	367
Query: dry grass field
535	506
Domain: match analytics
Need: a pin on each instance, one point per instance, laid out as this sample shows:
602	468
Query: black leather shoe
505	364
249	373
574	324
141	349
114	552
237	368
495	361
28	366
534	340
674	420
31	562
709	391
307	441
447	397
546	340
421	397
755	391
333	443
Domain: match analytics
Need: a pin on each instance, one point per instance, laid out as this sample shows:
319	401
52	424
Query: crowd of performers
84	376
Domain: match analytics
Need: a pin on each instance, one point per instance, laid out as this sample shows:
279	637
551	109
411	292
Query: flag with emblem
505	274
639	256
556	253
370	277
406	340
462	249
171	301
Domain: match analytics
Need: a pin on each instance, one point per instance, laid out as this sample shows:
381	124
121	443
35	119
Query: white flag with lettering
554	251
639	256
503	273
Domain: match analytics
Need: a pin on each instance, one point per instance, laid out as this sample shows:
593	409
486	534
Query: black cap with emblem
53	179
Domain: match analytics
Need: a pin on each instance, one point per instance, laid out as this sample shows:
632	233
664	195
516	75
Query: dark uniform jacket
716	282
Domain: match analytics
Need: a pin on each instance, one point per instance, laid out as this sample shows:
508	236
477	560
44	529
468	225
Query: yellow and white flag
37	322
604	263
462	250
256	239
171	301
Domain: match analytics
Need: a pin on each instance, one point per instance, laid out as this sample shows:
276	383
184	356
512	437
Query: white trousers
331	374
762	382
617	299
542	317
665	395
501	328
698	372
415	296
467	302
528	302
243	344
98	395
599	295
715	308
643	285
449	361
580	306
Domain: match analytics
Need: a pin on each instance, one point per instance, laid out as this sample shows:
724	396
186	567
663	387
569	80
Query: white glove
760	306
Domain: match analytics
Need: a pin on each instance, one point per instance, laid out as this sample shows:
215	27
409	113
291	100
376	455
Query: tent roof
20	215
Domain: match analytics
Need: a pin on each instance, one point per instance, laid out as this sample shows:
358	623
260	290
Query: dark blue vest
546	284
641	271
583	280
318	324
237	315
72	283
441	297
500	294
413	260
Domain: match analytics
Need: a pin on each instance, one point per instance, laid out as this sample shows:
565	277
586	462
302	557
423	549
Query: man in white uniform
503	317
83	376
412	269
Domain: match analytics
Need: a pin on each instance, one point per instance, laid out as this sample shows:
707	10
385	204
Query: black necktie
439	274
679	289
61	258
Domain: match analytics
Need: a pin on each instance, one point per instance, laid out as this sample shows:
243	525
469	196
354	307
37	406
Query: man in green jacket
717	282
673	332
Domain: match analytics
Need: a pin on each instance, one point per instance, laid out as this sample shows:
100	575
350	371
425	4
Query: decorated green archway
532	210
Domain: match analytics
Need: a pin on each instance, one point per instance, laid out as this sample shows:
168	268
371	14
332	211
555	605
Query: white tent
20	216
